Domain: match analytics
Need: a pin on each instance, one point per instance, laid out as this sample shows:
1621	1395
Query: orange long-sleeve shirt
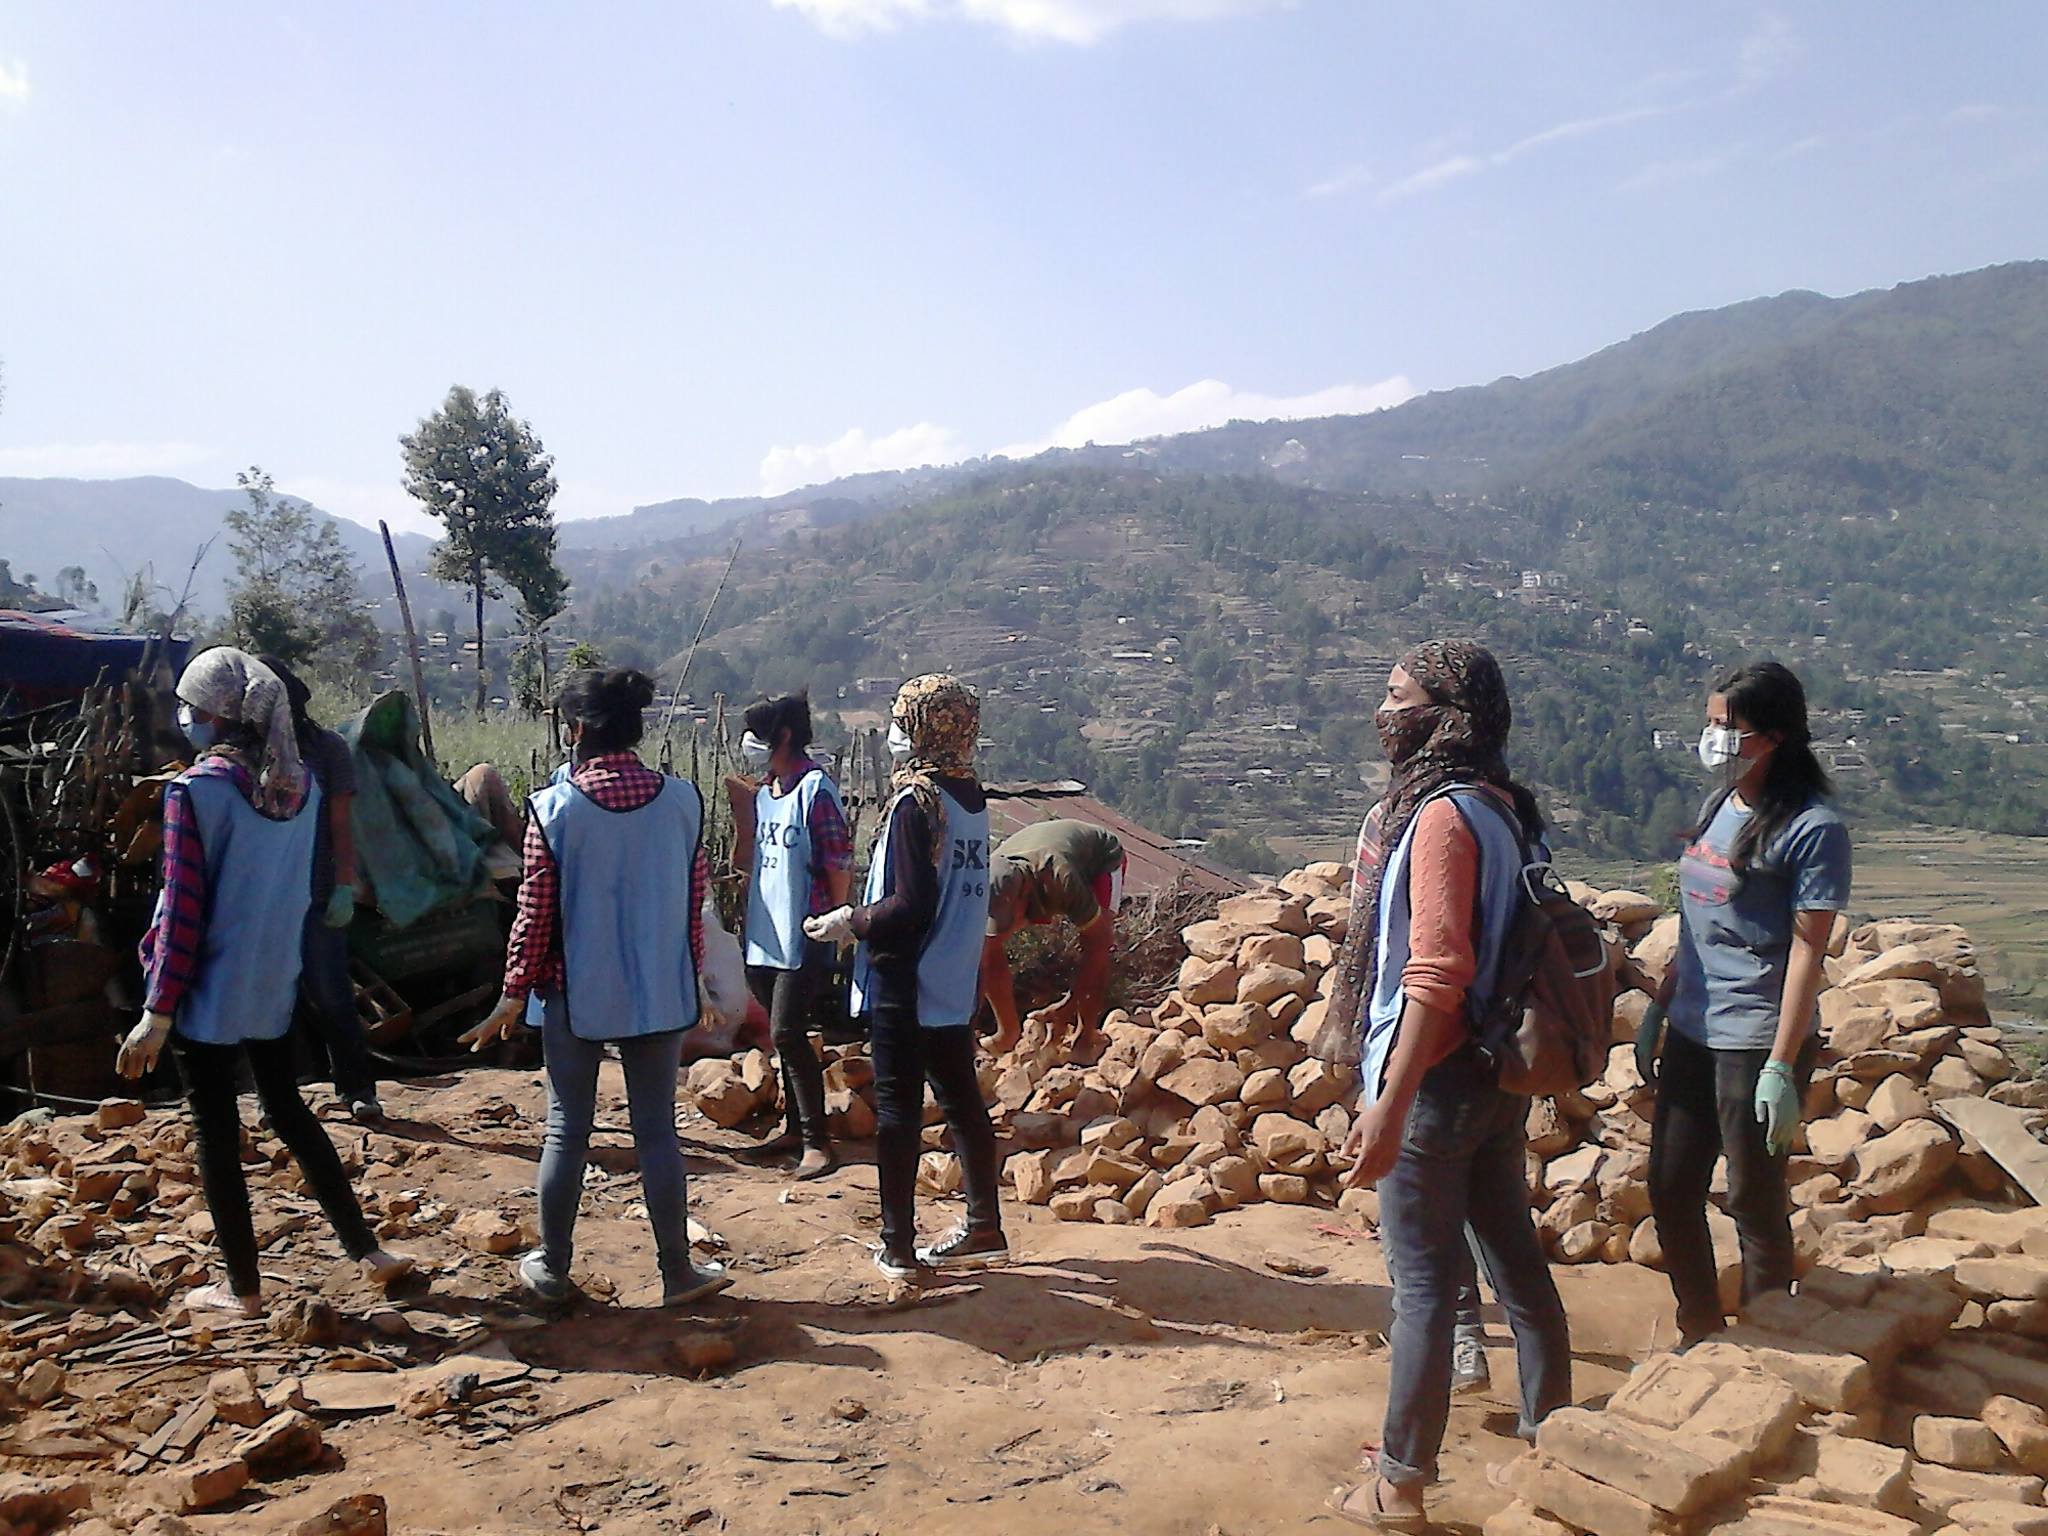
1443	874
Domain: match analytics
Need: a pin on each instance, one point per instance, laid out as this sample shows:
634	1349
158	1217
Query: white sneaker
542	1282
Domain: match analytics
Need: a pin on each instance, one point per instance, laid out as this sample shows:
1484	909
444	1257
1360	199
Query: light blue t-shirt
1735	933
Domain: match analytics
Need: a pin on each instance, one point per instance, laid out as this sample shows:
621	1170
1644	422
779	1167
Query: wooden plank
2002	1132
170	1443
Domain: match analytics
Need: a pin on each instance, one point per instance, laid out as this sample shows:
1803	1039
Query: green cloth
1048	870
418	841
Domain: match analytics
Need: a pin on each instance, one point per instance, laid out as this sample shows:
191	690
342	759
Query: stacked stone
1208	1102
1903	1026
1213	1100
1878	1401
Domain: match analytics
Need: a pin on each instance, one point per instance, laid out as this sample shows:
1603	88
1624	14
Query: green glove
341	907
1647	1035
1777	1106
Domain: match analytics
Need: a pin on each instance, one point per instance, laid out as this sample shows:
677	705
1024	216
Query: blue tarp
47	656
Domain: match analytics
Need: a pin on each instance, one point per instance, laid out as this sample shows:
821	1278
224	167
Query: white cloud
13	81
99	461
854	452
1140	413
1977	112
1668	173
1078	22
1770	49
1577	128
850	18
1350	179
1126	418
1430	177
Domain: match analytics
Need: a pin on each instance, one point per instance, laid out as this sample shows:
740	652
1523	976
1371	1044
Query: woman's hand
1777	1106
834	927
144	1045
341	907
508	1018
1648	1033
1374	1144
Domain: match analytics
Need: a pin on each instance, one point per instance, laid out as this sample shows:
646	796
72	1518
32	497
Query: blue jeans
1462	1162
651	1063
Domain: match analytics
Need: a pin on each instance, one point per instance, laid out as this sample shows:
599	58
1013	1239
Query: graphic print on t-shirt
1708	879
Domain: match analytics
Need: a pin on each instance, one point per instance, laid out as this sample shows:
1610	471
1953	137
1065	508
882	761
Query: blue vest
949	966
259	887
627	901
1500	876
779	896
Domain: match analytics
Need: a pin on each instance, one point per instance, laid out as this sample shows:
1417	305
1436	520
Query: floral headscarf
234	685
942	717
1459	737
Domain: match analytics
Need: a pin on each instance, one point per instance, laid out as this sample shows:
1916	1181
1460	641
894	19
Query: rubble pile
1884	1399
1213	1099
1903	1028
106	1375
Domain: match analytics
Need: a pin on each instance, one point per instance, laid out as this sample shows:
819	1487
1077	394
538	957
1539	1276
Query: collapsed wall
1212	1099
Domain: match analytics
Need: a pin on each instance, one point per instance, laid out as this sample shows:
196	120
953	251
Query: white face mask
1720	745
899	743
755	752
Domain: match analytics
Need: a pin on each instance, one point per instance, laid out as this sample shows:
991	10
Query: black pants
209	1074
331	1000
1705	1109
905	1055
789	996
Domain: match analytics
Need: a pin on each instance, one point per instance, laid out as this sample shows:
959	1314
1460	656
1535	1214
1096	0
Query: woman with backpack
610	937
800	865
1763	876
1438	883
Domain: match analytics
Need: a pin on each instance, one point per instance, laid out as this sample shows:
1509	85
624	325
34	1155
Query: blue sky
730	245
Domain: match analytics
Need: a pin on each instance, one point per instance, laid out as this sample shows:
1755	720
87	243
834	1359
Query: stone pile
1903	1027
1881	1400
1213	1099
102	1228
1205	1103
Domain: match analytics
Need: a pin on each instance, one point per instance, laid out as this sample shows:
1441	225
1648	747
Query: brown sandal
1374	1515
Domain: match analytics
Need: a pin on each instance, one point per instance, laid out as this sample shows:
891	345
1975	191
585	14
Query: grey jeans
1462	1163
651	1062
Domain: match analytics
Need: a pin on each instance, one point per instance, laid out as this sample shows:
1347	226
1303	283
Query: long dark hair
609	706
1767	697
767	718
296	694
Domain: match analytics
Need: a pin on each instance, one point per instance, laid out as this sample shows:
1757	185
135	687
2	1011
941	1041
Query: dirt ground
1111	1379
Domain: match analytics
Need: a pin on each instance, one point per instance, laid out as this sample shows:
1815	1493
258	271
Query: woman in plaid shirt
221	959
615	876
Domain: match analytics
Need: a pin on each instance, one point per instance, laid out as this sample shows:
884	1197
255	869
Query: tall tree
483	474
295	592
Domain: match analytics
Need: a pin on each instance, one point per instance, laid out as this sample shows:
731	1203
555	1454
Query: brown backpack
1550	1022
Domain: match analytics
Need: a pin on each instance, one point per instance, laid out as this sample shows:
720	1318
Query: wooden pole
676	688
412	645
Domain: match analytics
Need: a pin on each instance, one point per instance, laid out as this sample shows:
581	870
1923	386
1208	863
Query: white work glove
834	927
144	1044
504	1021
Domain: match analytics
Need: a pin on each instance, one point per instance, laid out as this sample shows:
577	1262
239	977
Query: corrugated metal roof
1155	863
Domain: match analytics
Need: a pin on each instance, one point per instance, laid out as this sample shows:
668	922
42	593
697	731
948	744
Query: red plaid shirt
618	781
177	931
831	841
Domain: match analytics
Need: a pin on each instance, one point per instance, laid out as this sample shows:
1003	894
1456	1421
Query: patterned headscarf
236	686
1458	737
942	717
